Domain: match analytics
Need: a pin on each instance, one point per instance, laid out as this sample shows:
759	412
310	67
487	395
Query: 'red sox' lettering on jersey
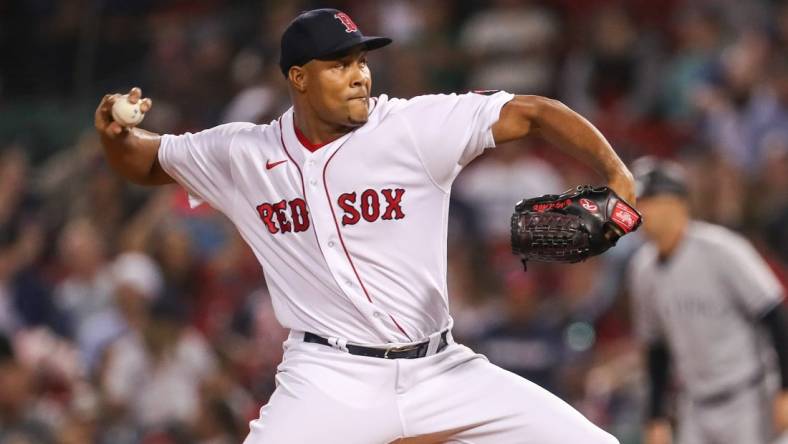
369	206
284	217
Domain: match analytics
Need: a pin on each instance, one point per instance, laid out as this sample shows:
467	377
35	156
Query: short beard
356	123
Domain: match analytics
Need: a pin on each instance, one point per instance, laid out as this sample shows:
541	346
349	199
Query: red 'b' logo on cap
347	21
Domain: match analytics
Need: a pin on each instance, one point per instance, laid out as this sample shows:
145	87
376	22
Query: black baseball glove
571	227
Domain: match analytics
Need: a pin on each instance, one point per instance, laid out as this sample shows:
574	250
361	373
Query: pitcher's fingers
115	128
102	106
135	94
145	105
110	100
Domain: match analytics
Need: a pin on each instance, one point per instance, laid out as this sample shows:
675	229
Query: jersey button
377	314
313	182
331	244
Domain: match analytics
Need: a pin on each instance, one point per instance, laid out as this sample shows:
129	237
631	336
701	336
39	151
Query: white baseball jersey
351	236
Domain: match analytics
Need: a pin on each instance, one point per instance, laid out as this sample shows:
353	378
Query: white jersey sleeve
200	162
752	283
451	130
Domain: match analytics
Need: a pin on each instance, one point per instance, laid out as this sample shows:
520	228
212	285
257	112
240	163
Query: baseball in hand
126	113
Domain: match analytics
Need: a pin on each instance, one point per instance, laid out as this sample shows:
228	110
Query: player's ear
297	76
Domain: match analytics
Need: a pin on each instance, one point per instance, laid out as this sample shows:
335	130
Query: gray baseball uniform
704	303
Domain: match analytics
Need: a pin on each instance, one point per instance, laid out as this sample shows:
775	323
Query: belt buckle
400	349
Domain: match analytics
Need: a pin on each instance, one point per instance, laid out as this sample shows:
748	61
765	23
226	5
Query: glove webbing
553	231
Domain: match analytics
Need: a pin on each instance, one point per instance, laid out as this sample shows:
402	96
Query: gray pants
743	418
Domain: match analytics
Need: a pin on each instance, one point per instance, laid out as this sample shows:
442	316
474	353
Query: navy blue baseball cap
322	34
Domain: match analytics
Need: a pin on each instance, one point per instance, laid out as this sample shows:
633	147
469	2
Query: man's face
661	213
338	90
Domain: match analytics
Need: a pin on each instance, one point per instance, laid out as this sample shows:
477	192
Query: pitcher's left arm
567	130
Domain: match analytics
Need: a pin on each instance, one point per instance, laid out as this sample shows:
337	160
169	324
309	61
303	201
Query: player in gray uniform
703	298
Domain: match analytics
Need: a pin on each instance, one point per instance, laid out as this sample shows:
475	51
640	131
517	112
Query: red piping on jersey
342	241
399	327
312	147
303	190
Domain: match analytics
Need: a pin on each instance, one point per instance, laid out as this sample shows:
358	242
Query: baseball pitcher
344	201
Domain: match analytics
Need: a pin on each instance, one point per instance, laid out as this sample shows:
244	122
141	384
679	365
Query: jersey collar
306	143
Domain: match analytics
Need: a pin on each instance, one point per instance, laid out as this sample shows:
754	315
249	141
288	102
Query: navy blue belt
413	351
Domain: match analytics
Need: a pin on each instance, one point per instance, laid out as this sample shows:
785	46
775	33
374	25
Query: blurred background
126	317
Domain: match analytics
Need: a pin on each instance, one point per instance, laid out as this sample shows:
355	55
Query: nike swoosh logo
269	165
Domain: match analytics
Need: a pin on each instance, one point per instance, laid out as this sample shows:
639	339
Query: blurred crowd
127	317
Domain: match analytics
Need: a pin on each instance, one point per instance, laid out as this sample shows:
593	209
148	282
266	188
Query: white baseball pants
327	396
